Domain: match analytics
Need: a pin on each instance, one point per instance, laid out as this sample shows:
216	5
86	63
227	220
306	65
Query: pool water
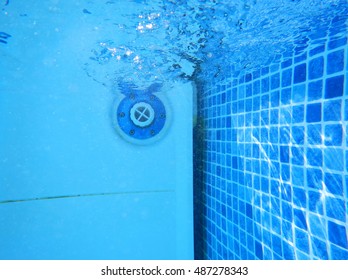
270	153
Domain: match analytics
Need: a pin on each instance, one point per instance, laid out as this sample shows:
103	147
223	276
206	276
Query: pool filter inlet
141	117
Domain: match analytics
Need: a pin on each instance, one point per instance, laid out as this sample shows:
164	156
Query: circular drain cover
140	118
142	114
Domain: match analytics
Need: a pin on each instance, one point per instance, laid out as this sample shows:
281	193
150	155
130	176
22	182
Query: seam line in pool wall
81	195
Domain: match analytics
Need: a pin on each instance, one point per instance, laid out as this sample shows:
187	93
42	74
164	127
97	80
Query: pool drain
142	114
140	117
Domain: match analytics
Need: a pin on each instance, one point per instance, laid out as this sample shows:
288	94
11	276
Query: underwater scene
199	129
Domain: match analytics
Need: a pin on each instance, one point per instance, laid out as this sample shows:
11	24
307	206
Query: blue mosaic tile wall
273	183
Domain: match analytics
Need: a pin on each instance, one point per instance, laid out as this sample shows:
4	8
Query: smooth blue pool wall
273	183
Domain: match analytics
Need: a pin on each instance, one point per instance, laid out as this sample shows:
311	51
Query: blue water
76	182
272	138
270	155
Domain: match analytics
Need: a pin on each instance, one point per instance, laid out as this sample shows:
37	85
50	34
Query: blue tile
314	134
286	77
250	239
287	211
258	250
286	63
286	230
313	112
335	62
241	106
285	172
286	96
265	101
247	135
235	162
234	135
336	43
334	183
300	197
275	81
256	103
256	183
264	117
300	219
335	208
284	133
297	155
248	105
336	28
314	157
286	192
318	33
315	204
274	98
300	73
285	115
274	67
241	92
277	244
276	227
300	57
274	153
248	90
298	93
234	94
317	50
297	114
249	210
241	80
297	175
337	234
298	135
316	68
288	251
333	135
256	151
337	253
319	248
301	239
264	70
233	223
302	256
334	87
264	185
332	110
256	118
256	167
256	74
265	85
248	77
274	116
317	225
267	254
264	134
314	178
256	87
315	90
284	154
275	192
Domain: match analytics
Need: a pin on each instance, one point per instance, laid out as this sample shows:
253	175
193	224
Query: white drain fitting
142	114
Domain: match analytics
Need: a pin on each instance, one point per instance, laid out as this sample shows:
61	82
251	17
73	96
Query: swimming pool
269	123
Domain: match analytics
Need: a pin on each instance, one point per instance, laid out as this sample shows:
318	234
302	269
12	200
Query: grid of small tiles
275	170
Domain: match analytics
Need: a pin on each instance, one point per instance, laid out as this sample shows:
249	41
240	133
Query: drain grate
142	114
140	118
